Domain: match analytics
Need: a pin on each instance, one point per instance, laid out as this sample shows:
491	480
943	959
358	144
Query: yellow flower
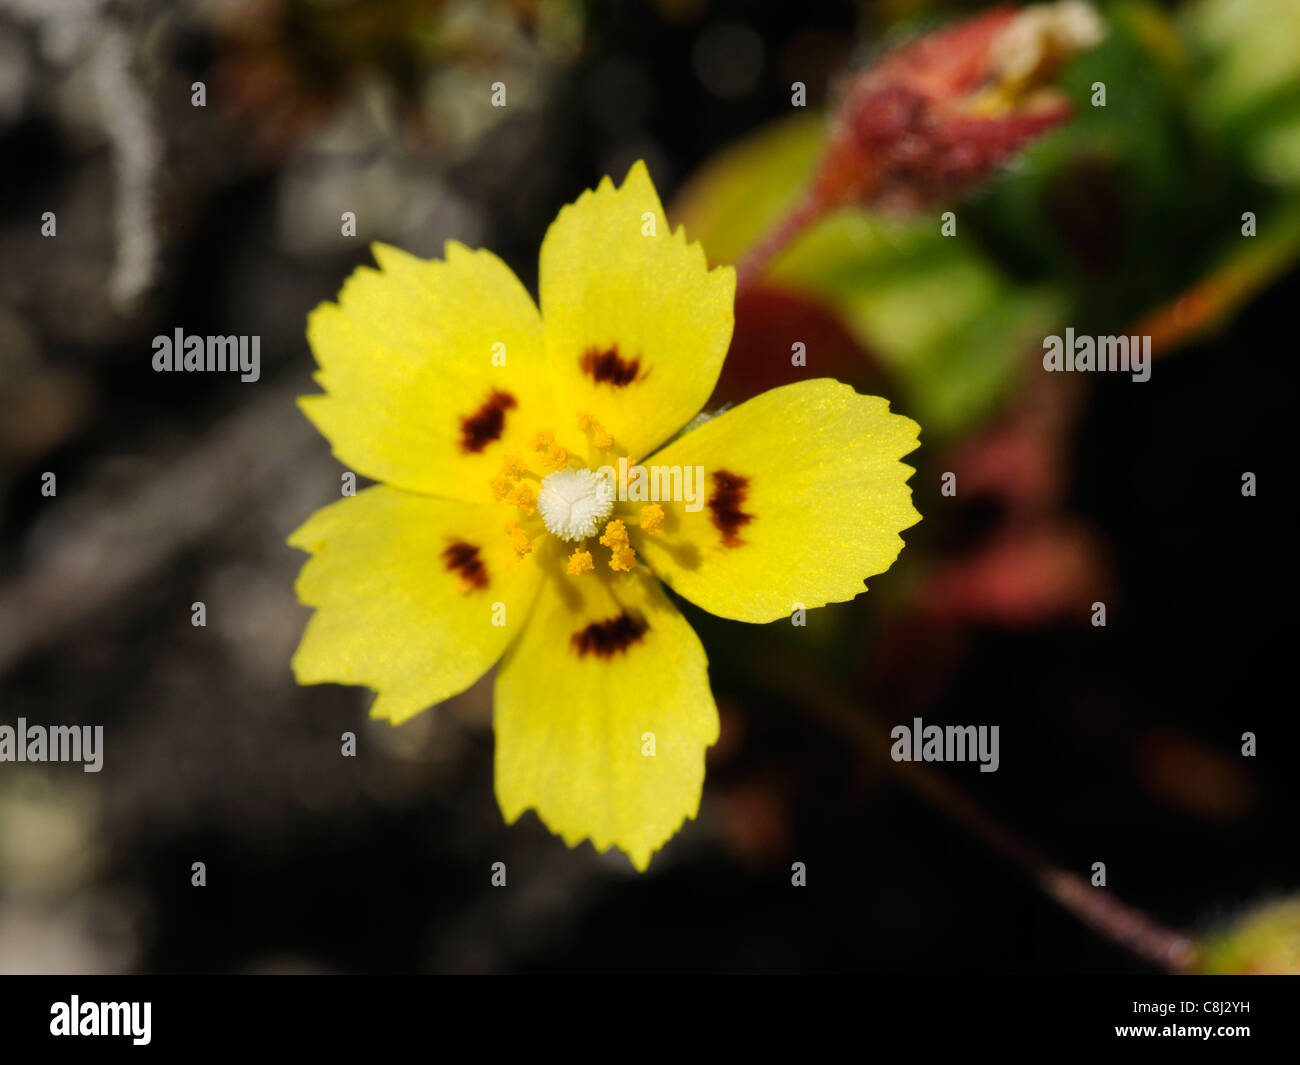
495	534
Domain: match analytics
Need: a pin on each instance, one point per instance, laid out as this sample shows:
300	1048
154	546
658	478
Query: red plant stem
750	269
1096	907
1119	922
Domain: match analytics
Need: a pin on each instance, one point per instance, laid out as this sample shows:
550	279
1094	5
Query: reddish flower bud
933	117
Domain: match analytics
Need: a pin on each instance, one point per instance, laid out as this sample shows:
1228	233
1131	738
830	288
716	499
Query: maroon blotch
729	492
609	368
486	424
462	559
607	638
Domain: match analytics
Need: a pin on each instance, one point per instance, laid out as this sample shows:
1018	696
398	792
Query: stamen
652	516
513	465
580	562
518	539
523	496
600	438
622	557
555	457
506	487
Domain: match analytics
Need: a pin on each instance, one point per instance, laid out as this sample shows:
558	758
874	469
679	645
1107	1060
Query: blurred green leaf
741	192
1248	94
1252	52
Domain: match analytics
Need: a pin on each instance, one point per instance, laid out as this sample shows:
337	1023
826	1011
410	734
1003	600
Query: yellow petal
636	324
606	667
415	597
803	498
411	361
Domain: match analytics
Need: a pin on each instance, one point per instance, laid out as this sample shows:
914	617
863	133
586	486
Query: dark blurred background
1119	744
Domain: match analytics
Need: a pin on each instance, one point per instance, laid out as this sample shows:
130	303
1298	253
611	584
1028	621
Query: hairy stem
1120	923
760	255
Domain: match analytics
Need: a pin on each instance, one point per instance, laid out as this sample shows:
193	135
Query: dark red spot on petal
729	492
606	638
609	368
462	559
479	429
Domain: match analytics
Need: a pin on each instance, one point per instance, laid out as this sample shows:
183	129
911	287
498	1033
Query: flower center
573	503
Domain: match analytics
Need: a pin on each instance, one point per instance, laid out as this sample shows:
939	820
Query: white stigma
573	503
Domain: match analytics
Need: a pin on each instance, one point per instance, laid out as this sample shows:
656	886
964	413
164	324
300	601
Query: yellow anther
615	535
580	562
622	557
514	466
505	484
652	516
523	496
518	539
555	457
599	436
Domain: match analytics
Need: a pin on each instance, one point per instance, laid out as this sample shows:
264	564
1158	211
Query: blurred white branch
79	32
